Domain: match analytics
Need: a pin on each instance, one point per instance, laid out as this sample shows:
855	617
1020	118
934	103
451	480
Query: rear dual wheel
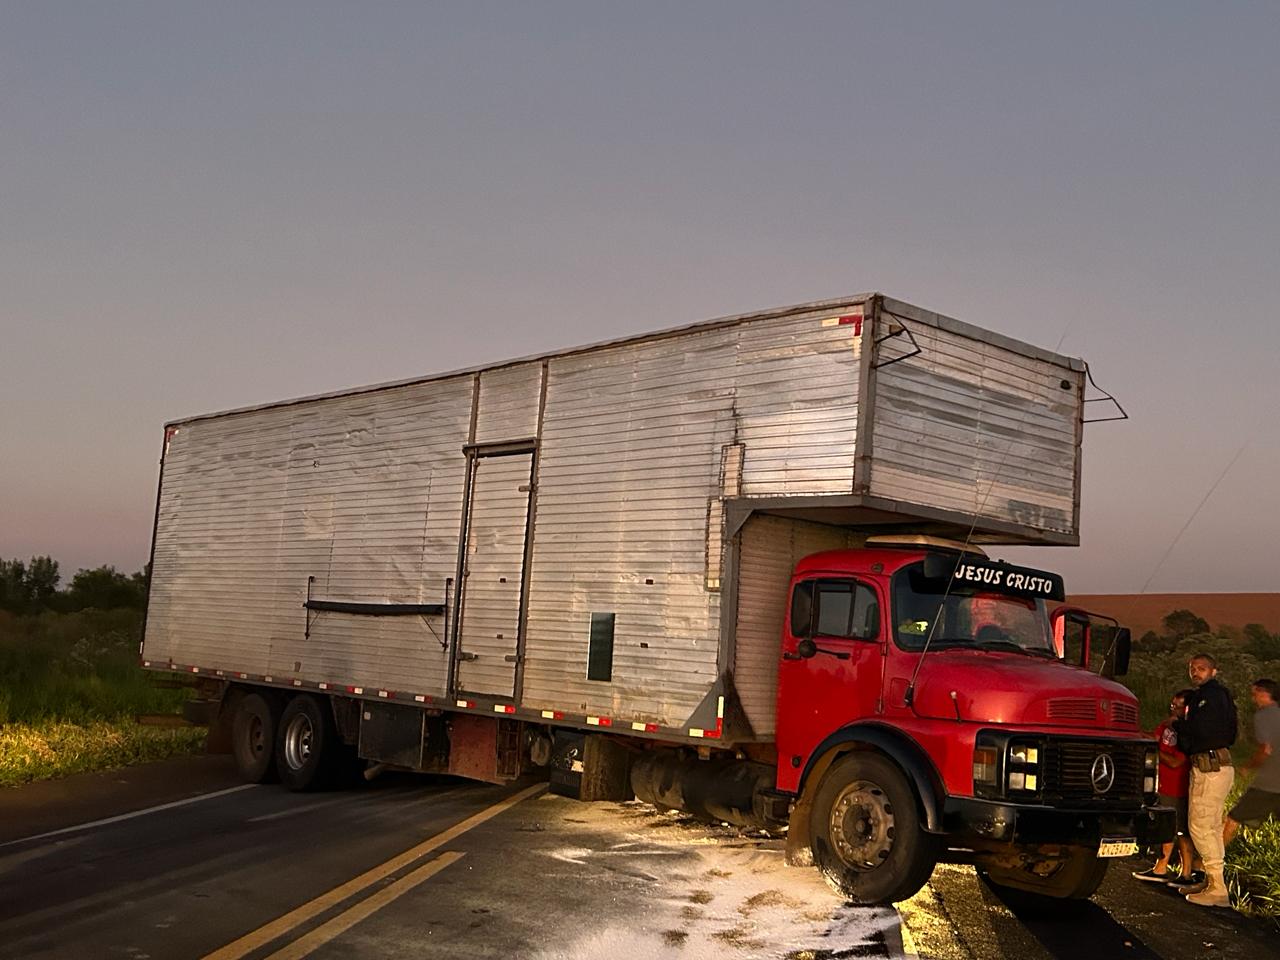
253	736
310	755
299	745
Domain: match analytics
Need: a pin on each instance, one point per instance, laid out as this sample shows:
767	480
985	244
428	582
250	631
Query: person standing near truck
1206	735
1174	781
1262	799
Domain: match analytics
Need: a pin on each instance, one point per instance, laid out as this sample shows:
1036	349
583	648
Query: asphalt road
178	860
404	867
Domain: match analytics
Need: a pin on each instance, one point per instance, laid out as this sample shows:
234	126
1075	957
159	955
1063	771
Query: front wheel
1066	890
866	834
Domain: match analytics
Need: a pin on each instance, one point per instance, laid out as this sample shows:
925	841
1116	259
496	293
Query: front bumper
1019	823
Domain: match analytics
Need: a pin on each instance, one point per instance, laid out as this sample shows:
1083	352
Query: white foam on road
129	816
729	896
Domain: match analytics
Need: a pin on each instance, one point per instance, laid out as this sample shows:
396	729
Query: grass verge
1253	867
55	748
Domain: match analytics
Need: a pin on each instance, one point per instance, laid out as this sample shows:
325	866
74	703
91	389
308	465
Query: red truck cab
927	711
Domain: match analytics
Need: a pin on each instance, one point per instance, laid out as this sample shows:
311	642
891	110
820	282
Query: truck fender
892	743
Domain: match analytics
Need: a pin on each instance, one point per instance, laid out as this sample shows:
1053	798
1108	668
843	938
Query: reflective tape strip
552	715
465	704
297	683
146	663
219	673
420	698
697	732
599	722
268	679
503	708
720	708
357	689
324	686
195	669
645	727
383	694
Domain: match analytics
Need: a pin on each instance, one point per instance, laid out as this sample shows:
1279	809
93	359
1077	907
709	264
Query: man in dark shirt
1205	735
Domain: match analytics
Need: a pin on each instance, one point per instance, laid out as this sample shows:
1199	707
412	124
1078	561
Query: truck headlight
1023	767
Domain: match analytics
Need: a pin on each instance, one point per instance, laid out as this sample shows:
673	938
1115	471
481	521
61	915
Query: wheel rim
861	825
298	741
257	737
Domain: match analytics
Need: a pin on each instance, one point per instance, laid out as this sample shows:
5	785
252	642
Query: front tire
253	737
307	746
1067	891
866	834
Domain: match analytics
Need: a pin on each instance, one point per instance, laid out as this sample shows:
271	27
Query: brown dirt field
1144	612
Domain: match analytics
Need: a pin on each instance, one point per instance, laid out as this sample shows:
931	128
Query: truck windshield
968	617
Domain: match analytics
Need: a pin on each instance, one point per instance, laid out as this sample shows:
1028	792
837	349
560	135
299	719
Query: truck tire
866	834
1031	896
307	746
253	737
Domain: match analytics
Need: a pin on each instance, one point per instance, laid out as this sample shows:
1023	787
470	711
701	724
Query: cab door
832	662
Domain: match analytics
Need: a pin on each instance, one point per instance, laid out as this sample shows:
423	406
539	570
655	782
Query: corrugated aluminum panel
971	425
496	533
768	551
630	459
509	403
362	492
796	400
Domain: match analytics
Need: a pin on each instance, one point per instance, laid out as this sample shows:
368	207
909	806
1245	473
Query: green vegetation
1159	668
70	686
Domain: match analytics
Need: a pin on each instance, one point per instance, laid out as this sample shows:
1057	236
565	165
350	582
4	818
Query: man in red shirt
1175	776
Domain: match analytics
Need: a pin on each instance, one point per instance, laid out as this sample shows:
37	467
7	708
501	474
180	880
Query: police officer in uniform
1205	735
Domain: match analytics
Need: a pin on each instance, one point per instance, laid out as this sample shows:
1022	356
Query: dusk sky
206	206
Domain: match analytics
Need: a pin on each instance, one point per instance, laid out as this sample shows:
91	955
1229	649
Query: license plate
1126	847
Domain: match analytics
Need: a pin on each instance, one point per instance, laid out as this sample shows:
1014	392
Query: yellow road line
294	918
344	921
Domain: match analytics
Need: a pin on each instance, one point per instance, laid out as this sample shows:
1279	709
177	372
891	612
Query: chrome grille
1068	773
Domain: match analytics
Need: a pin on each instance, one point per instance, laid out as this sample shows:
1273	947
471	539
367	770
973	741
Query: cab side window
835	608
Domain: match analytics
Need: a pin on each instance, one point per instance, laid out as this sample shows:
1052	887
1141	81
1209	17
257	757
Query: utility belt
1211	761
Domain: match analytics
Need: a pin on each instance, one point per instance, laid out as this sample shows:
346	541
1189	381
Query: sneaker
1151	876
1181	883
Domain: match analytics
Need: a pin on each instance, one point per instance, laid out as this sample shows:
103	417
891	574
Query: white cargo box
628	513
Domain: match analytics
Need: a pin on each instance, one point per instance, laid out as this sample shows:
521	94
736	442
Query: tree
1184	623
1260	643
13	586
105	588
28	587
42	582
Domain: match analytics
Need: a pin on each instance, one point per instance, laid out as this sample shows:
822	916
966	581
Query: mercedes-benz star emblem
1103	773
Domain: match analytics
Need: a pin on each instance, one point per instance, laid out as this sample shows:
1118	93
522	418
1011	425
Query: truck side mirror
1071	635
1118	662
